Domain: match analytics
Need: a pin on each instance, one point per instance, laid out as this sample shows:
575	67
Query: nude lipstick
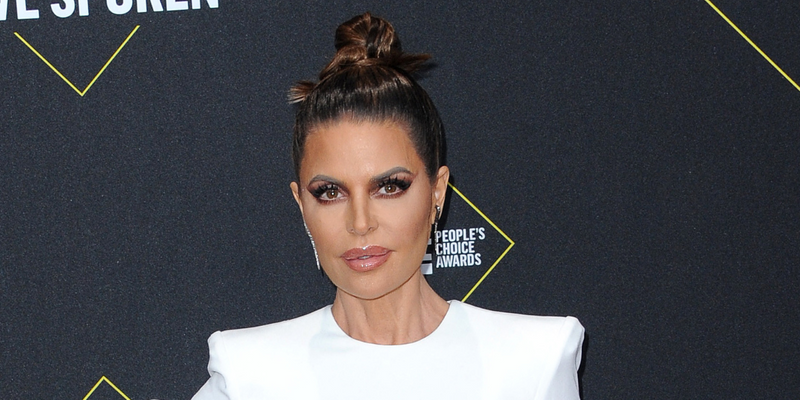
363	259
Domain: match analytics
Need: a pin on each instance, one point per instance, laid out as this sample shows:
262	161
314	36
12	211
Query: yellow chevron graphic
752	44
80	92
104	379
510	242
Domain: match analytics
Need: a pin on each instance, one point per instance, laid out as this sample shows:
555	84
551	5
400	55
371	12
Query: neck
406	315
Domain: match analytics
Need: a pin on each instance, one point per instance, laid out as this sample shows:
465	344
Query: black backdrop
642	156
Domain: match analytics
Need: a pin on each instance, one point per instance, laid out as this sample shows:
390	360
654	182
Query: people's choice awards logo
456	247
468	247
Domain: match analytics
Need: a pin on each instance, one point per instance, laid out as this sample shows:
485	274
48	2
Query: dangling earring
313	245
431	254
435	252
436	226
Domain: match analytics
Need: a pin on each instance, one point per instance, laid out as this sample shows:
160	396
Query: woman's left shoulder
520	327
537	355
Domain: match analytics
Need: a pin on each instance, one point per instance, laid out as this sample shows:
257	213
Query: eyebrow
325	178
374	180
388	174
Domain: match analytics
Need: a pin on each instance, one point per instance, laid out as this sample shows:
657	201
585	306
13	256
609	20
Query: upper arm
216	387
561	378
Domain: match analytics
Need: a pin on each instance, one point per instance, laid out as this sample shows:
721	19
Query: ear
440	189
296	193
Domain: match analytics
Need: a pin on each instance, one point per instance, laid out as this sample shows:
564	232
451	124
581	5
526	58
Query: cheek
325	224
409	221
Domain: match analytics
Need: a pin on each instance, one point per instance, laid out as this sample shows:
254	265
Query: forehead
353	149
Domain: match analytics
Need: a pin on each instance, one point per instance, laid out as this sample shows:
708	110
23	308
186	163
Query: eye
327	193
393	187
331	194
390	188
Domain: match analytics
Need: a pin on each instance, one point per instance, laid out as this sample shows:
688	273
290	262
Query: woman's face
368	203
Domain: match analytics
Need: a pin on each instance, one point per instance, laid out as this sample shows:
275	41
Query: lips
363	259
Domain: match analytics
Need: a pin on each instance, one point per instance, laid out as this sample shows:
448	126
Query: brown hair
369	79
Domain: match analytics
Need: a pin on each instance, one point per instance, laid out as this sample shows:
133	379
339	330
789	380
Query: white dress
473	354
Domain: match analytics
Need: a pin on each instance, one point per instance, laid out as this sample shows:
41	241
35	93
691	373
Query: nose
360	221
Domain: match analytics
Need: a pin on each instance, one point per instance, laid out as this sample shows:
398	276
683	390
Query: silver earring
436	227
313	245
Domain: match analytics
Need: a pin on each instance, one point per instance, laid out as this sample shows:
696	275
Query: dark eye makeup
387	187
393	186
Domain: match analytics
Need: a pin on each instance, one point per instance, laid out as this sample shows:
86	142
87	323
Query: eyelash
401	186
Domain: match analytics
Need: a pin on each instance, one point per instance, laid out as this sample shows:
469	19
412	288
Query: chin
372	287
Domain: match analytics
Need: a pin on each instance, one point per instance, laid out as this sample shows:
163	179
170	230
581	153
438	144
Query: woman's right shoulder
273	337
244	363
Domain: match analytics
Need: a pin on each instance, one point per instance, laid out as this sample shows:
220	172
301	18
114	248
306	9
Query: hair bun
363	41
365	37
366	40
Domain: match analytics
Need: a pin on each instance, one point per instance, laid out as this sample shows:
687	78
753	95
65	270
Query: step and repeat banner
633	164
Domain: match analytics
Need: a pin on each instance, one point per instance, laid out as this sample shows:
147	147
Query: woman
370	184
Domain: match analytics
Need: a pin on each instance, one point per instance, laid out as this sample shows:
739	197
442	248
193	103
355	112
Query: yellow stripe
487	272
480	212
115	386
80	92
94	387
49	65
111	59
104	379
752	44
